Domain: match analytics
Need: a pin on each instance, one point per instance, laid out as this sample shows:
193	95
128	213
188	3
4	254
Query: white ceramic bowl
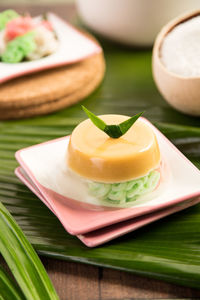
132	22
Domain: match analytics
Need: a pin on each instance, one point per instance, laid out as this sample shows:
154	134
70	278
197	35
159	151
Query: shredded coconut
180	51
45	41
2	42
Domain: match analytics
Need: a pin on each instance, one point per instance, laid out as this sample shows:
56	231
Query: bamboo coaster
50	90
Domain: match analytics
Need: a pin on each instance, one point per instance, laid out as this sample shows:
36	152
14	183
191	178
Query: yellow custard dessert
94	155
117	167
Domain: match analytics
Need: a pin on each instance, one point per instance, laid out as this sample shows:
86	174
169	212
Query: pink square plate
73	46
45	165
106	234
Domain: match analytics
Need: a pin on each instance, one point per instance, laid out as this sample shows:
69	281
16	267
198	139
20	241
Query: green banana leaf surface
168	249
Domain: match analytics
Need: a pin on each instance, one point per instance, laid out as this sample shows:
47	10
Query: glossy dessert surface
94	155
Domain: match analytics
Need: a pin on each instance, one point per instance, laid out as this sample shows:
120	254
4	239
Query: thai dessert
23	38
117	156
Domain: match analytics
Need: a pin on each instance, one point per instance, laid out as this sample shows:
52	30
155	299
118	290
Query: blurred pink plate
45	164
103	235
73	47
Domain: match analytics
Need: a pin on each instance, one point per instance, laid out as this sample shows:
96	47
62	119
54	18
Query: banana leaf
168	249
8	288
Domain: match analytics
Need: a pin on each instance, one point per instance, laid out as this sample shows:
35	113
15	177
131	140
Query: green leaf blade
95	120
23	260
8	288
126	125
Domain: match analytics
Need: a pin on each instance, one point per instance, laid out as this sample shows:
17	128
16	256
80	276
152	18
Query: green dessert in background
25	38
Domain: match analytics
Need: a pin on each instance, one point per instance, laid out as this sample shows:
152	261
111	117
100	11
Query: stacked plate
43	169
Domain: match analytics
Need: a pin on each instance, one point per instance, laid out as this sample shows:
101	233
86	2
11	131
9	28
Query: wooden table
78	281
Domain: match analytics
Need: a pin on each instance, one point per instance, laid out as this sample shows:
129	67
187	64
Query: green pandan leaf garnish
113	131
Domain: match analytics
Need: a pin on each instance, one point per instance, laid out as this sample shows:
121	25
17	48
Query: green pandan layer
125	192
19	48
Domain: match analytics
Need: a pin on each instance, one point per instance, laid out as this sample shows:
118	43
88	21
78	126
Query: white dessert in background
46	43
